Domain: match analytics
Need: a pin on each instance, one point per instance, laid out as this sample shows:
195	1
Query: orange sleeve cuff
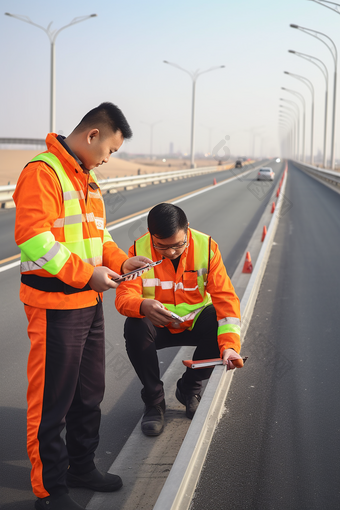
229	341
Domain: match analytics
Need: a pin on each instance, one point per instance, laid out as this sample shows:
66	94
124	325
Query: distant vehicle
278	160
238	164
265	174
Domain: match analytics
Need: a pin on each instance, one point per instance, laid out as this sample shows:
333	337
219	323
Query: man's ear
92	135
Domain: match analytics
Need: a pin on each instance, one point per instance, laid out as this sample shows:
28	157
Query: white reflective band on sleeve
70	195
229	320
31	265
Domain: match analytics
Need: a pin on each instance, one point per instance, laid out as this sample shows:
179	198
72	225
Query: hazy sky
118	56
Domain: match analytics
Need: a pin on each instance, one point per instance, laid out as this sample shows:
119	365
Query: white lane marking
9	266
213	186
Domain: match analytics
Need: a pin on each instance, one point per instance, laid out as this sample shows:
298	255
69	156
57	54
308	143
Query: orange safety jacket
40	232
189	289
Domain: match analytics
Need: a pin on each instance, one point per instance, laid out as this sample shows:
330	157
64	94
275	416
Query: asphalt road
229	213
277	445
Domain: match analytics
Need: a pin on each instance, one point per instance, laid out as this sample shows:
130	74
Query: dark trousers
143	339
66	385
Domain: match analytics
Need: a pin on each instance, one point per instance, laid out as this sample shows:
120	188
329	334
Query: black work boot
189	401
60	502
153	419
94	480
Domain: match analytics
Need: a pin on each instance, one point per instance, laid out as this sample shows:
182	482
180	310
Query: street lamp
323	2
298	122
300	96
334	53
287	110
283	117
52	35
194	75
324	71
289	118
283	124
151	125
308	84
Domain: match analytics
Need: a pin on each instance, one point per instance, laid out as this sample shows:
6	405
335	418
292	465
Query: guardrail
331	177
116	183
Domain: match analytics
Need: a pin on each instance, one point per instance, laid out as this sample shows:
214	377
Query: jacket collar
65	155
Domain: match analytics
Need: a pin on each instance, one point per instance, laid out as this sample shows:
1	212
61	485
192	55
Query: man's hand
154	310
134	263
232	359
101	279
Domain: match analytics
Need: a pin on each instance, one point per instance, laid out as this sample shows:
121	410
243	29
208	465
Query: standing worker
67	260
191	282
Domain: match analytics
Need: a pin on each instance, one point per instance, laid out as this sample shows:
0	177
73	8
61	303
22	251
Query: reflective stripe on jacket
60	228
200	279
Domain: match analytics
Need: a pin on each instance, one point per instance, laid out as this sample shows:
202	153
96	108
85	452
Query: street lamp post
52	35
293	112
151	125
298	122
323	2
289	122
194	76
300	96
309	84
283	124
324	71
288	117
334	53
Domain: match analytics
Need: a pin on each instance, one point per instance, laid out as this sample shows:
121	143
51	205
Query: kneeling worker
193	283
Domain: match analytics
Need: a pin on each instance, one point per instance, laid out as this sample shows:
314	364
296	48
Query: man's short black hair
106	114
164	220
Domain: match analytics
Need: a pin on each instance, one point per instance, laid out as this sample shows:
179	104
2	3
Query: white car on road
265	174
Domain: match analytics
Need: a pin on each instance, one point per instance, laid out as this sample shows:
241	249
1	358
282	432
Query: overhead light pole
295	116
298	122
285	124
334	52
324	71
52	35
151	126
309	84
194	76
324	2
300	96
291	123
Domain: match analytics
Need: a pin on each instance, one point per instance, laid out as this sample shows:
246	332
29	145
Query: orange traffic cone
214	181
264	233
248	266
273	207
278	190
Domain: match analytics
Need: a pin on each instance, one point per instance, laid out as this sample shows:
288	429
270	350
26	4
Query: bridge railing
116	183
329	176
